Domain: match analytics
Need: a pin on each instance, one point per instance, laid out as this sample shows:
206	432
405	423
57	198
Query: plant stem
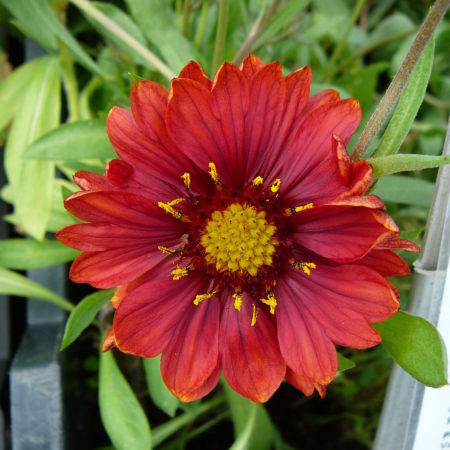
106	22
201	24
397	85
255	31
70	85
338	49
185	21
222	24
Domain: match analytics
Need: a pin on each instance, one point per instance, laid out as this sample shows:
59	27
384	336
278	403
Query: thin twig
401	78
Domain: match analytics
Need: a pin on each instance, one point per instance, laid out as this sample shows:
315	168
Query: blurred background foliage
52	115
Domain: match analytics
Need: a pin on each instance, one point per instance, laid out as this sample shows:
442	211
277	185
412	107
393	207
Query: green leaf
344	363
387	165
73	142
29	254
122	414
38	21
83	315
408	105
281	18
408	190
159	393
12	283
32	181
416	346
156	20
259	433
13	89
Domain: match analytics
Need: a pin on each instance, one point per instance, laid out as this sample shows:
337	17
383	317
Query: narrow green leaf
387	165
83	315
13	89
29	254
243	441
408	105
281	18
262	431
32	181
73	142
344	363
408	190
416	346
159	393
12	283
156	20
122	414
37	20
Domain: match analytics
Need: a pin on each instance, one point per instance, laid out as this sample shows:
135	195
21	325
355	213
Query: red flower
237	230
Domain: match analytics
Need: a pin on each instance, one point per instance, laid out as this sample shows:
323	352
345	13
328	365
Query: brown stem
397	85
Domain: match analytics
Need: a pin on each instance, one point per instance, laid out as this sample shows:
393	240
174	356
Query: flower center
239	238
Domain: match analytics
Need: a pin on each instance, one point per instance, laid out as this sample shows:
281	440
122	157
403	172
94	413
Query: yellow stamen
275	186
239	239
180	272
270	301
292	211
169	209
176	201
213	173
305	266
255	314
166	251
187	180
237	300
200	297
257	181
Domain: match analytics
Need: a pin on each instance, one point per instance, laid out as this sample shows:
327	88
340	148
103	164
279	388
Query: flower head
238	232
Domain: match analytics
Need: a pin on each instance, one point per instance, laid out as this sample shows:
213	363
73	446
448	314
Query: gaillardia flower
236	228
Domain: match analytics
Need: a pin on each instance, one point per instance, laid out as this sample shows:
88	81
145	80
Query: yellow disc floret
239	238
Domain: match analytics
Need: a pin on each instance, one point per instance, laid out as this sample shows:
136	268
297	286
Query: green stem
370	48
397	85
201	24
255	31
222	24
338	49
70	85
106	22
162	432
185	20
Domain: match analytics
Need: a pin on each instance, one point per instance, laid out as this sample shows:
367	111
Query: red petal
305	385
303	342
153	156
267	95
194	128
398	244
148	317
114	267
313	143
109	341
251	65
119	173
341	233
230	100
385	262
367	201
251	359
322	98
89	181
194	71
121	208
191	357
297	93
360	179
99	237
